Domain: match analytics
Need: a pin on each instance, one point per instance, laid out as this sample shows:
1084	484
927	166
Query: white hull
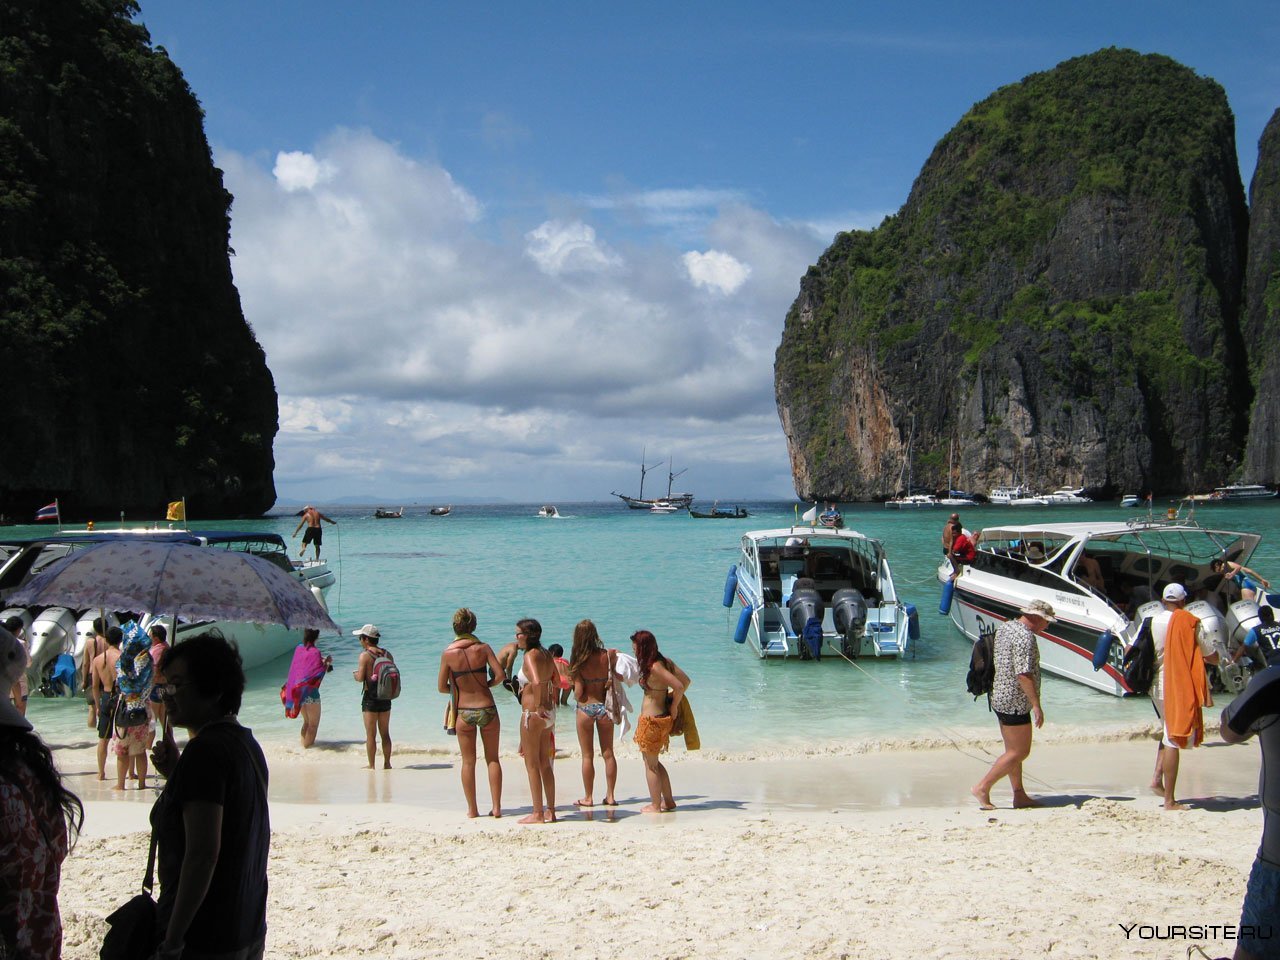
1135	560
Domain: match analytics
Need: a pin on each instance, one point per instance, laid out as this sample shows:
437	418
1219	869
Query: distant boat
441	511
831	518
1130	500
1238	492
912	502
681	501
663	506
548	510
1067	495
737	513
383	514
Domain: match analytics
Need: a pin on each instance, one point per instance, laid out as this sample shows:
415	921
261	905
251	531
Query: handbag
133	933
612	701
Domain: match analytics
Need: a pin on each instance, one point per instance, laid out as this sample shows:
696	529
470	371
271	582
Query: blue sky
496	249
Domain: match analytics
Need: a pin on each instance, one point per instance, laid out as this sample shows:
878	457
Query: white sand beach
875	854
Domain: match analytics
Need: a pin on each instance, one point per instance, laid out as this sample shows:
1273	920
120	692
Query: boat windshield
833	563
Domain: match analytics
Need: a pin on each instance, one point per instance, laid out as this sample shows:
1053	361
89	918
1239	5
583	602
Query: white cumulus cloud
295	170
558	247
716	270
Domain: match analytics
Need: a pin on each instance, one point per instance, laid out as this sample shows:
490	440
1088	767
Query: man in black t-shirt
1257	711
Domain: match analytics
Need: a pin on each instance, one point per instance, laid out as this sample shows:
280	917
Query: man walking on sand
311	517
1181	689
1015	698
1257	710
103	694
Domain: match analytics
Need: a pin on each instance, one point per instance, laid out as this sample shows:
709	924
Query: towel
1186	688
305	673
687	727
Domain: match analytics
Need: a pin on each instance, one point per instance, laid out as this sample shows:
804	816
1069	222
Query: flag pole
57	509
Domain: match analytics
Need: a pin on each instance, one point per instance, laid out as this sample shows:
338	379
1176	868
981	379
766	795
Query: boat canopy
1193	544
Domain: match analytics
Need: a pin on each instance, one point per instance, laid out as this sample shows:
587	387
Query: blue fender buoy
730	585
1102	649
913	621
948	589
744	622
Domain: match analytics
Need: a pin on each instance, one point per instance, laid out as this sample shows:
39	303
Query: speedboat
914	501
1068	495
1017	496
547	510
663	506
1130	500
806	590
1099	616
57	630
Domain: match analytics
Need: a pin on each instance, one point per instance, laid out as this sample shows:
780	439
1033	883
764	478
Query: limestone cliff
132	377
1262	309
1057	301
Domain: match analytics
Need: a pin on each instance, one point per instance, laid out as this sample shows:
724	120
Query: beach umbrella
177	580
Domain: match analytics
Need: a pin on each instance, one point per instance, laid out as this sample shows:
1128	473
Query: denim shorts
1259	931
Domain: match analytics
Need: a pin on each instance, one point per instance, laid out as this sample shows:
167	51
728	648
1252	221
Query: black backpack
982	666
1140	660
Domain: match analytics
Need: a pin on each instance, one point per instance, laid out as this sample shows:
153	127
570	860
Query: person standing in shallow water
469	670
375	711
1015	698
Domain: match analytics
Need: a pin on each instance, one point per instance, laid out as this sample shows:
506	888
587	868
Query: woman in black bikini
537	721
664	685
591	667
468	668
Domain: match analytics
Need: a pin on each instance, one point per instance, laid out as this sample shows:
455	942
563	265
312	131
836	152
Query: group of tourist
470	669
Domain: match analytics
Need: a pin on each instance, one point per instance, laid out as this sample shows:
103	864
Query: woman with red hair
664	685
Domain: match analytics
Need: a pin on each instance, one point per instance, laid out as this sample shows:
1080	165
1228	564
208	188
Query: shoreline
861	854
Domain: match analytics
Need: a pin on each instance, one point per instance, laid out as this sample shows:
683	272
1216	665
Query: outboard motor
84	631
849	610
52	632
805	609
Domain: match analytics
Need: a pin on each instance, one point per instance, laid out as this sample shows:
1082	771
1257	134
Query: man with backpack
1015	698
379	680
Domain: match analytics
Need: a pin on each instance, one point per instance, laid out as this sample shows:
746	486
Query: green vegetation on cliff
117	306
1061	287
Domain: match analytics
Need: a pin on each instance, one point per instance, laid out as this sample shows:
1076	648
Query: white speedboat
1135	561
1017	496
1130	500
1067	495
547	510
913	502
663	506
66	630
833	587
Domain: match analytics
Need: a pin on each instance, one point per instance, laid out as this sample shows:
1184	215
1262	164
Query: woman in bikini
537	720
664	685
591	667
468	668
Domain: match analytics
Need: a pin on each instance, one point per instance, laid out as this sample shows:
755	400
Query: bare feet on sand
983	798
1174	805
1023	802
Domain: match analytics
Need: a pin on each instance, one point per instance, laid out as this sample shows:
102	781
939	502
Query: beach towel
687	727
1186	688
305	673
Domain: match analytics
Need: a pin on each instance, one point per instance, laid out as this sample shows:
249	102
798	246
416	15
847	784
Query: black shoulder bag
133	934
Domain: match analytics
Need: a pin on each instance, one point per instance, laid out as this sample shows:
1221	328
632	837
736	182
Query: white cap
368	630
1174	591
13	663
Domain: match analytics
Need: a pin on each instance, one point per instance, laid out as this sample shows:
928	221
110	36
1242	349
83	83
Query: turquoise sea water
628	569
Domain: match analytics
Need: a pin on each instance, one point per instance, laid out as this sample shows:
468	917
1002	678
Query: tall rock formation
1262	309
1057	300
132	377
